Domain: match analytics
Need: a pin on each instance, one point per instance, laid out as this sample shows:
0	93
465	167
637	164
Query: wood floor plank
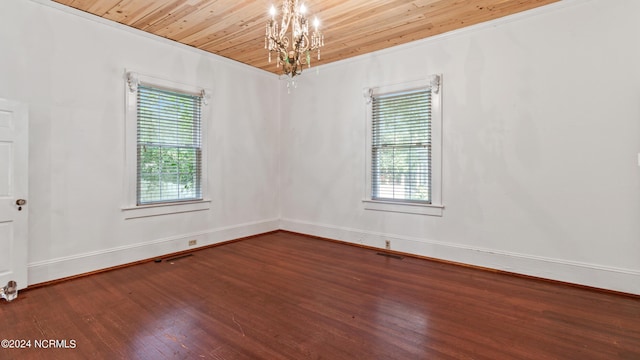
288	296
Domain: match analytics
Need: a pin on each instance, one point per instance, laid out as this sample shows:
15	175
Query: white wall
70	72
541	136
541	116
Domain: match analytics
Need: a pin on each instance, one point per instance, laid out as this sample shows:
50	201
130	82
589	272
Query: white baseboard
604	277
53	269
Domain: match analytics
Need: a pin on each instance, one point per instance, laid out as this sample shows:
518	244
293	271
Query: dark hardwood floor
287	296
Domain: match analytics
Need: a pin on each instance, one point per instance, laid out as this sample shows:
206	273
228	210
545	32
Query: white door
13	189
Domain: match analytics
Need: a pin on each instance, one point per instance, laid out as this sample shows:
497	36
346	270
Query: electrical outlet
192	242
387	244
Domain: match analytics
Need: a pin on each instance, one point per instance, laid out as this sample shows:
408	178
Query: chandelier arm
280	44
304	37
287	14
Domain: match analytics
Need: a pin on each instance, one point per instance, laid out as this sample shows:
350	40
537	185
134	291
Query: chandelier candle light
292	59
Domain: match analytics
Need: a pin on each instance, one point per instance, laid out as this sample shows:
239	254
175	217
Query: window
401	146
168	146
165	155
403	167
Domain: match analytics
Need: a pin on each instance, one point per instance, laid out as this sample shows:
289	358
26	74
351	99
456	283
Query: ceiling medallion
290	40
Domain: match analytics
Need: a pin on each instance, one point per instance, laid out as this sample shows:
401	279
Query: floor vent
390	255
179	257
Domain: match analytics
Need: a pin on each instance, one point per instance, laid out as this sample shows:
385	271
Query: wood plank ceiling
235	28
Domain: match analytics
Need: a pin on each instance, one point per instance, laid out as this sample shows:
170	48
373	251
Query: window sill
407	208
135	212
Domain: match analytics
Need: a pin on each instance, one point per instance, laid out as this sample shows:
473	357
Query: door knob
20	202
9	292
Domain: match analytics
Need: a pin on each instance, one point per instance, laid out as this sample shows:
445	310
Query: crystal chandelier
293	49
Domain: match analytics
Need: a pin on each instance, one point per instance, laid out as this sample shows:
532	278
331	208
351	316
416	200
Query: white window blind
169	146
401	146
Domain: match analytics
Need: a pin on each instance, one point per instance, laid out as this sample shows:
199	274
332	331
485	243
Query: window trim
130	208
435	208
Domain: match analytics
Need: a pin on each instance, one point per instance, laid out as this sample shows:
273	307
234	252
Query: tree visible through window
168	146
401	146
